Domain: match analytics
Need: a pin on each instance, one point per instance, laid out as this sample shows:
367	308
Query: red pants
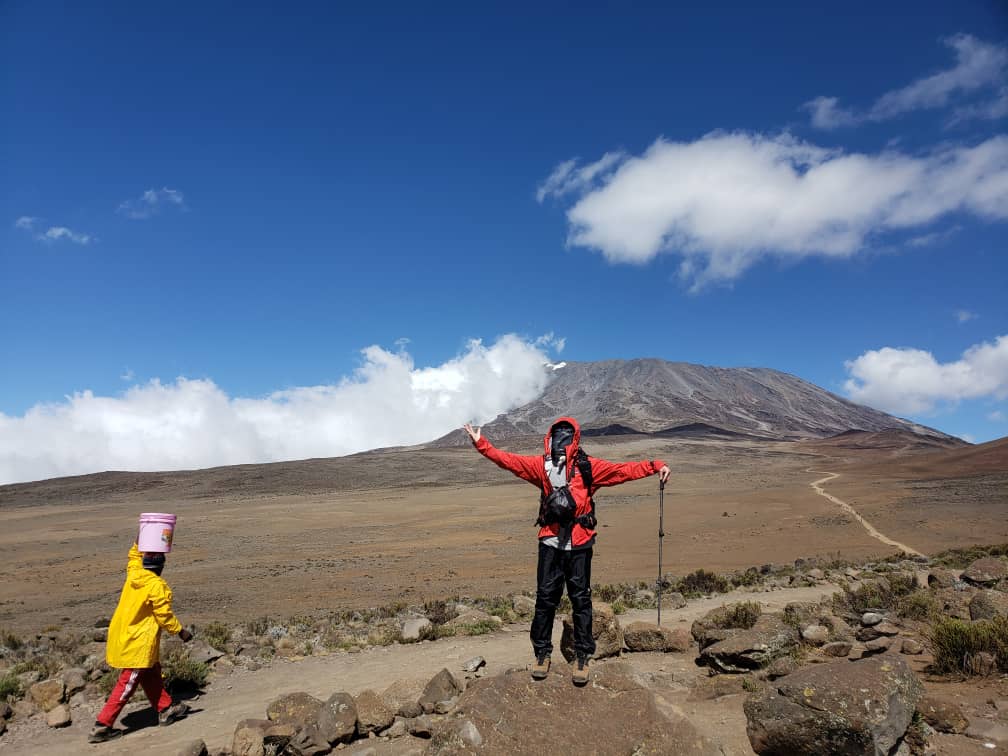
149	679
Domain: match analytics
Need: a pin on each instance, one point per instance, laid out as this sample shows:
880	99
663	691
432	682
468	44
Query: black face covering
561	437
154	562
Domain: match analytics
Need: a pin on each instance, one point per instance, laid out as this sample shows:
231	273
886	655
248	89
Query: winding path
854	513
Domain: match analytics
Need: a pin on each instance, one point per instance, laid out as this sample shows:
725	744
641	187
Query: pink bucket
156	532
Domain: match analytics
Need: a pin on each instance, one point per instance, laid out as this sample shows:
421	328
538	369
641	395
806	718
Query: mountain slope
653	396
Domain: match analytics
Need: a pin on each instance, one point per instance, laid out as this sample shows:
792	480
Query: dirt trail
854	513
244	694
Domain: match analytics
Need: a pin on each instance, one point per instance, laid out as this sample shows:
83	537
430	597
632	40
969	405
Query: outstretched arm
605	473
526	467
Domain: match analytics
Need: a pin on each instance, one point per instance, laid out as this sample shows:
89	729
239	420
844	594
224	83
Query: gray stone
881	630
524	606
837	649
988	604
421	727
248	738
606	631
861	707
473	664
307	741
647	636
441	687
402	697
48	694
412	628
816	574
878	646
871	618
986	572
781	667
942	578
298	708
469	734
337	719
193	748
644	596
398	729
59	716
446	707
912	647
747	650
674	600
942	714
816	635
74	679
373	713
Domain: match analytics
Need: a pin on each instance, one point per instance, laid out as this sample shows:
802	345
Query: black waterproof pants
557	568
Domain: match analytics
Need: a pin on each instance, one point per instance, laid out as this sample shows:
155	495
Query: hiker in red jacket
567	529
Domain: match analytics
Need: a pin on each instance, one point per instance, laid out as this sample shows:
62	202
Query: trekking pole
661	535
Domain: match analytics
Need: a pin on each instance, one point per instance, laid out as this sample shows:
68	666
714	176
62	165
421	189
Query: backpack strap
584	466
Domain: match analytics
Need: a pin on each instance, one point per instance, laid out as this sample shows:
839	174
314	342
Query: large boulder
48	694
412	628
297	708
988	605
986	572
442	687
747	650
647	636
373	714
403	696
606	631
854	708
337	719
249	737
523	606
514	716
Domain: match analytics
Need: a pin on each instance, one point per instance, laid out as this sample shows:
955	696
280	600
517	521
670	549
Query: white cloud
194	423
53	233
996	416
567	177
912	381
151	203
725	201
979	66
964	316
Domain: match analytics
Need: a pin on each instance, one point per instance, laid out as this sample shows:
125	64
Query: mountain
679	398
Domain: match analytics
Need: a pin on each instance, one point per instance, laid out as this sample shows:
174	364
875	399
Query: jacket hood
136	574
573	446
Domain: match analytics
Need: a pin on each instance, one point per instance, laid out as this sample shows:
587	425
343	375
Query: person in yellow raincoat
134	643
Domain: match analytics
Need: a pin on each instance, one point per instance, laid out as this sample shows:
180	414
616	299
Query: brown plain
409	525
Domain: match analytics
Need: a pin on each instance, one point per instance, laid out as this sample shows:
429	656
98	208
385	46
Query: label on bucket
166	536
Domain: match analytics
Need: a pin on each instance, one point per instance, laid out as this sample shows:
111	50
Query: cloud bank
188	424
912	381
728	200
152	202
979	66
52	234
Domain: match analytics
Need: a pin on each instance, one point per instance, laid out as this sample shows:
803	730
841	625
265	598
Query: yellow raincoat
134	634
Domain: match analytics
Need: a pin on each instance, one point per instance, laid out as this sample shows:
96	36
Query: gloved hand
185	635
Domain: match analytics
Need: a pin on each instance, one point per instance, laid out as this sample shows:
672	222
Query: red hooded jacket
533	469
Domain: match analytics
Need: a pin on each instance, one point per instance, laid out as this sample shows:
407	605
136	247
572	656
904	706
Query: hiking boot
541	667
173	713
580	674
100	733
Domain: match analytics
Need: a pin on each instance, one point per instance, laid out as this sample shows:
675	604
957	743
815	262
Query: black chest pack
559	508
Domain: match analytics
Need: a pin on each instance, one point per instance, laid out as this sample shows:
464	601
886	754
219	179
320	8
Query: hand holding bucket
157	530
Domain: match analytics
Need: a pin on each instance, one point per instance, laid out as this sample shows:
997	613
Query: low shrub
434	632
10	687
882	593
961	558
181	673
217	634
919	605
702	582
440	612
107	681
10	640
956	643
482	627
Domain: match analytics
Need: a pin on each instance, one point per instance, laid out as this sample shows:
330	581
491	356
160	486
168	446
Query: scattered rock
647	636
837	649
606	631
861	707
815	573
48	694
248	737
298	708
402	696
3	726
674	600
74	679
644	596
5	710
59	716
472	617
524	606
445	707
421	727
988	604
986	572
942	714
276	738
473	664
398	729
881	630
373	713
942	578
193	748
469	734
337	719
202	652
441	687
307	741
912	647
815	634
781	667
412	628
878	645
752	649
869	619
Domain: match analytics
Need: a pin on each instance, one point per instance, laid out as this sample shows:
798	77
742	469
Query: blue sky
247	198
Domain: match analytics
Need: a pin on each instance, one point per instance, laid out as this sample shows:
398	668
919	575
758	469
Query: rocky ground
842	659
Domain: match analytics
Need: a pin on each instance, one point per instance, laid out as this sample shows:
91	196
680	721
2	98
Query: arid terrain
302	538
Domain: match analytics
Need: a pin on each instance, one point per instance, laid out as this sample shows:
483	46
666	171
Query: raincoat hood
571	449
